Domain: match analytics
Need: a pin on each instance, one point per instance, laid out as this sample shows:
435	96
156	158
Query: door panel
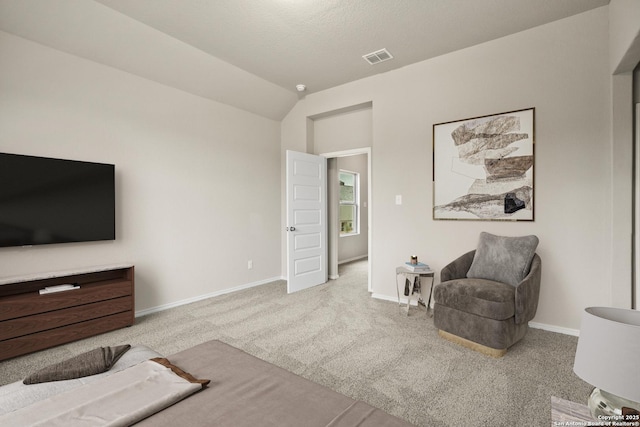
306	220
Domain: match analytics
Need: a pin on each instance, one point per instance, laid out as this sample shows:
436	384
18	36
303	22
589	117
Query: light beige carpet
337	335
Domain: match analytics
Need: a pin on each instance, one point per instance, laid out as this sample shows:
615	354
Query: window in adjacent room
349	200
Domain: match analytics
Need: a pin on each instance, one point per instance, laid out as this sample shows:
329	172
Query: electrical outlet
249	264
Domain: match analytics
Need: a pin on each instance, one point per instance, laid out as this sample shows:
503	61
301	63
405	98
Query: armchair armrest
458	268
528	292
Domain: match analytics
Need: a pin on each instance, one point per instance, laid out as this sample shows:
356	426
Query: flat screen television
45	201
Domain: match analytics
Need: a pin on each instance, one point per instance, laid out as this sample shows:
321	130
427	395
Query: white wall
561	69
197	181
343	131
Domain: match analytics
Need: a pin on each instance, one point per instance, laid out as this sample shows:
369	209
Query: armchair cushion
503	259
485	298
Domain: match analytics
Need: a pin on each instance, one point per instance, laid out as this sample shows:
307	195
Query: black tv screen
44	201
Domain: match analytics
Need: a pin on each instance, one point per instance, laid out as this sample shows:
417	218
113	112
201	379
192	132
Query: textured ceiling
251	54
321	42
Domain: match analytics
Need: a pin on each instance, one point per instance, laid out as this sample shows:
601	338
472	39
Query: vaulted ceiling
252	53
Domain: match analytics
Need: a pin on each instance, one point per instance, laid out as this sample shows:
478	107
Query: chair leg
493	352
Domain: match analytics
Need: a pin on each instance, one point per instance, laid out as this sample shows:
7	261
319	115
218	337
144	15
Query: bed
243	391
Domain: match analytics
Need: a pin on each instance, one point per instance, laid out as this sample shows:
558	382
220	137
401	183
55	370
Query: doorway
340	134
351	245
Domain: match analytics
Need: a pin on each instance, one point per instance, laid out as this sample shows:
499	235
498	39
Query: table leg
399	286
412	283
430	294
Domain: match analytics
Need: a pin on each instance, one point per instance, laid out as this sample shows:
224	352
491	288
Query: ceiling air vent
377	56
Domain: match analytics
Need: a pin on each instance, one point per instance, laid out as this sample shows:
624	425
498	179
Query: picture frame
483	167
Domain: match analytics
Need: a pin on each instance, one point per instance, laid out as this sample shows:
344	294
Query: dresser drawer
16	306
54	319
41	340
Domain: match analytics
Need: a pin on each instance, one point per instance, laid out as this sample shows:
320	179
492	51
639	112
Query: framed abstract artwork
483	167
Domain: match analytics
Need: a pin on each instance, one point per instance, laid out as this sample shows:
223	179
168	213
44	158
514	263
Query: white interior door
306	220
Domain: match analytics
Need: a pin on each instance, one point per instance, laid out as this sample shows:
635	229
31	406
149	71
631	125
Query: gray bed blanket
248	392
244	392
92	362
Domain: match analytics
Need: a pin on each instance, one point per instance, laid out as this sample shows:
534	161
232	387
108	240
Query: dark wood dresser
99	299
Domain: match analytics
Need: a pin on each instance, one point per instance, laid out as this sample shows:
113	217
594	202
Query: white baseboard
383	297
344	261
553	328
535	325
403	299
163	307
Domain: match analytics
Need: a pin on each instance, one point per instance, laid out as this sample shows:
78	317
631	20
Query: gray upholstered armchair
487	296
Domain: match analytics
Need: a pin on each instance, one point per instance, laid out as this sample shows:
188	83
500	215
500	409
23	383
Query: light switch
398	199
